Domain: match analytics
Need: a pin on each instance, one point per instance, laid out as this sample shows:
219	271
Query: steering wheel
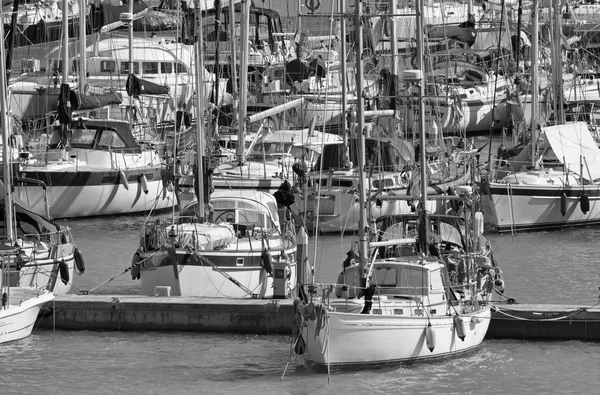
227	216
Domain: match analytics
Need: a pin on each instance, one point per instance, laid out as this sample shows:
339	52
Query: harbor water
561	267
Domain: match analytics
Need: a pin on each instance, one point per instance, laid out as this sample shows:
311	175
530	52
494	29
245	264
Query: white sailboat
91	167
417	291
527	196
235	247
19	306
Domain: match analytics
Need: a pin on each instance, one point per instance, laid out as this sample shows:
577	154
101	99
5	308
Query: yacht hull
17	321
528	207
194	276
347	339
84	193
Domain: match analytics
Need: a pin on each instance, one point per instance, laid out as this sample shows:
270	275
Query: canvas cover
574	145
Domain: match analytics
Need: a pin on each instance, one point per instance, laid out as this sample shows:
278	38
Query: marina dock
545	322
274	316
147	313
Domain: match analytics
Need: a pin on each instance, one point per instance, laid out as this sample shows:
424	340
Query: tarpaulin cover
573	145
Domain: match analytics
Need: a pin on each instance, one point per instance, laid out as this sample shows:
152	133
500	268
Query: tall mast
241	148
8	213
199	110
344	78
217	5
534	80
423	159
394	50
131	59
360	120
82	45
233	63
557	63
65	43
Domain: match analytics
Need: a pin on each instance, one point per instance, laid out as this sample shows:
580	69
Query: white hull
193	278
355	339
94	200
17	321
523	207
45	273
472	116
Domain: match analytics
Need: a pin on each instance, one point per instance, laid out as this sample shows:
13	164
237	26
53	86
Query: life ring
63	269
79	262
135	266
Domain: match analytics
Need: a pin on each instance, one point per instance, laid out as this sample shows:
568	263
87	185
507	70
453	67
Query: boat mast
217	5
559	115
241	148
360	124
8	213
200	112
421	86
65	43
65	77
394	50
534	80
82	46
342	6
131	60
233	62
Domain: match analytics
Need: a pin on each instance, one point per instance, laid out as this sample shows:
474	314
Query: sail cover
574	145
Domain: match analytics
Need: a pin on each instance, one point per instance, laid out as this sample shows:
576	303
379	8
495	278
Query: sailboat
416	290
91	167
237	246
526	195
20	305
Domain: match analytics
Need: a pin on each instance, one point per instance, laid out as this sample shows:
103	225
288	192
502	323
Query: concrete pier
274	316
545	322
146	313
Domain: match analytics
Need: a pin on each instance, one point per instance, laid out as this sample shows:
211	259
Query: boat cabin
152	58
247	211
401	285
447	232
265	36
96	134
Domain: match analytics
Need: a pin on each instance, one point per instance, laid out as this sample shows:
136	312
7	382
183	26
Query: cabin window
437	281
251	218
413	281
180	68
386	183
384	277
336	183
166	68
108	66
110	138
263	28
82	138
150	67
125	68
